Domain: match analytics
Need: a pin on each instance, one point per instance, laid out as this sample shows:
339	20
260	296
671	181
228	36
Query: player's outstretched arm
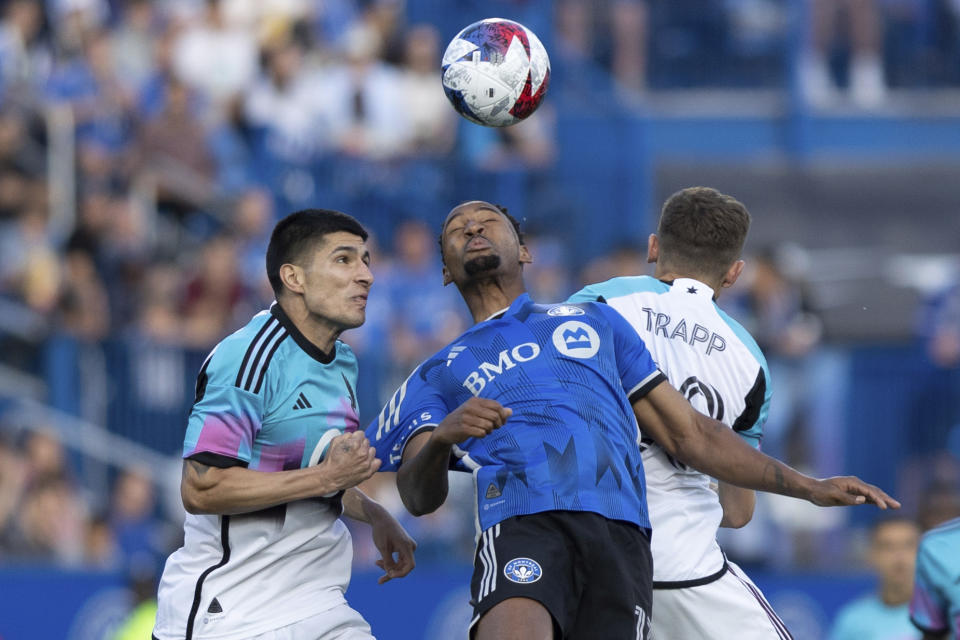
208	489
395	545
709	446
422	478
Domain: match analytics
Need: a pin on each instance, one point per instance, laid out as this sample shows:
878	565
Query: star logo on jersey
454	352
691	290
522	571
576	339
565	310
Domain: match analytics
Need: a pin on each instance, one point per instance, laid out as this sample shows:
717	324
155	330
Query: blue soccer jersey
269	400
935	606
569	372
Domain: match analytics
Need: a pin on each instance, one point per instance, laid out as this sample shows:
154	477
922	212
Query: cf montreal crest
522	570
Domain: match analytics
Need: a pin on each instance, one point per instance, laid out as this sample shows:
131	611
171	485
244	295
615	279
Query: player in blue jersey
935	607
564	534
272	455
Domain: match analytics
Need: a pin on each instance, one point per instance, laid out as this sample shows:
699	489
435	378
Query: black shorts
593	574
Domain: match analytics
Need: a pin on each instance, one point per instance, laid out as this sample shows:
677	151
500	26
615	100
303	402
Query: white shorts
339	623
729	607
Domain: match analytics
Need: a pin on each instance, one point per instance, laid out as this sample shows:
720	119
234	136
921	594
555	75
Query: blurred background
147	149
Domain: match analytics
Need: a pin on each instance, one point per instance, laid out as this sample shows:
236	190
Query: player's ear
447	278
732	274
525	257
292	277
653	248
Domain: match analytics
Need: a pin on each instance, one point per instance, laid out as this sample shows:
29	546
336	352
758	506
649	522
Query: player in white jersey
272	455
715	363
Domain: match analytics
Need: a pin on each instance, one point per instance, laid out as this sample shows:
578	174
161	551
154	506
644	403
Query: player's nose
473	227
365	275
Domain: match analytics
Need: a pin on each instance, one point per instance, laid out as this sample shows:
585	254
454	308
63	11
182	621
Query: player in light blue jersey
539	403
272	455
935	607
884	614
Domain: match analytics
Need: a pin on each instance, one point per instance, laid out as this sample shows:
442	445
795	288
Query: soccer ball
495	72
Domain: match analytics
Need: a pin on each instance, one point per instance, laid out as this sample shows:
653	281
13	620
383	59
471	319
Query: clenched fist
475	418
350	460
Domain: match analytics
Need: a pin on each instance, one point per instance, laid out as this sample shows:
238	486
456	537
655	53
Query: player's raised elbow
197	496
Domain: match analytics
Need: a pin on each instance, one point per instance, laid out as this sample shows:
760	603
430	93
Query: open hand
391	538
849	490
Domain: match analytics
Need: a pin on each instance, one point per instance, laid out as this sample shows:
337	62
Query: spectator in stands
29	265
100	550
613	32
173	150
423	319
131	43
142	538
884	615
13	482
864	31
216	58
216	296
432	125
50	523
25	58
283	104
359	99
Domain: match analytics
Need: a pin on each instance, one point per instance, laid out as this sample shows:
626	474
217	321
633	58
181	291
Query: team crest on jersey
522	571
565	310
576	339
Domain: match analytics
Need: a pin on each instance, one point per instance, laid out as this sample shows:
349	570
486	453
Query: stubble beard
481	264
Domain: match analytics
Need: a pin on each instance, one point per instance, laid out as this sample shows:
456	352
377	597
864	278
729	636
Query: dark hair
298	232
502	209
702	230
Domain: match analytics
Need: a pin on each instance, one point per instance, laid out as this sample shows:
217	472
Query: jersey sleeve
929	610
589	293
414	408
749	424
639	374
224	419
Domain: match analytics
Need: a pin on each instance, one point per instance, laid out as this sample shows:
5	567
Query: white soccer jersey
269	400
718	367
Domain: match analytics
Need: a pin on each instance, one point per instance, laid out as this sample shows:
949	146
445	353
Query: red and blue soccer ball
495	72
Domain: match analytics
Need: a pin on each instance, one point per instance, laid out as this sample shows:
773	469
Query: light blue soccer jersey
266	397
936	594
570	374
869	617
269	400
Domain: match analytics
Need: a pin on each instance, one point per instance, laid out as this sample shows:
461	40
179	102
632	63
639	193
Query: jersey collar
308	347
515	306
691	287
